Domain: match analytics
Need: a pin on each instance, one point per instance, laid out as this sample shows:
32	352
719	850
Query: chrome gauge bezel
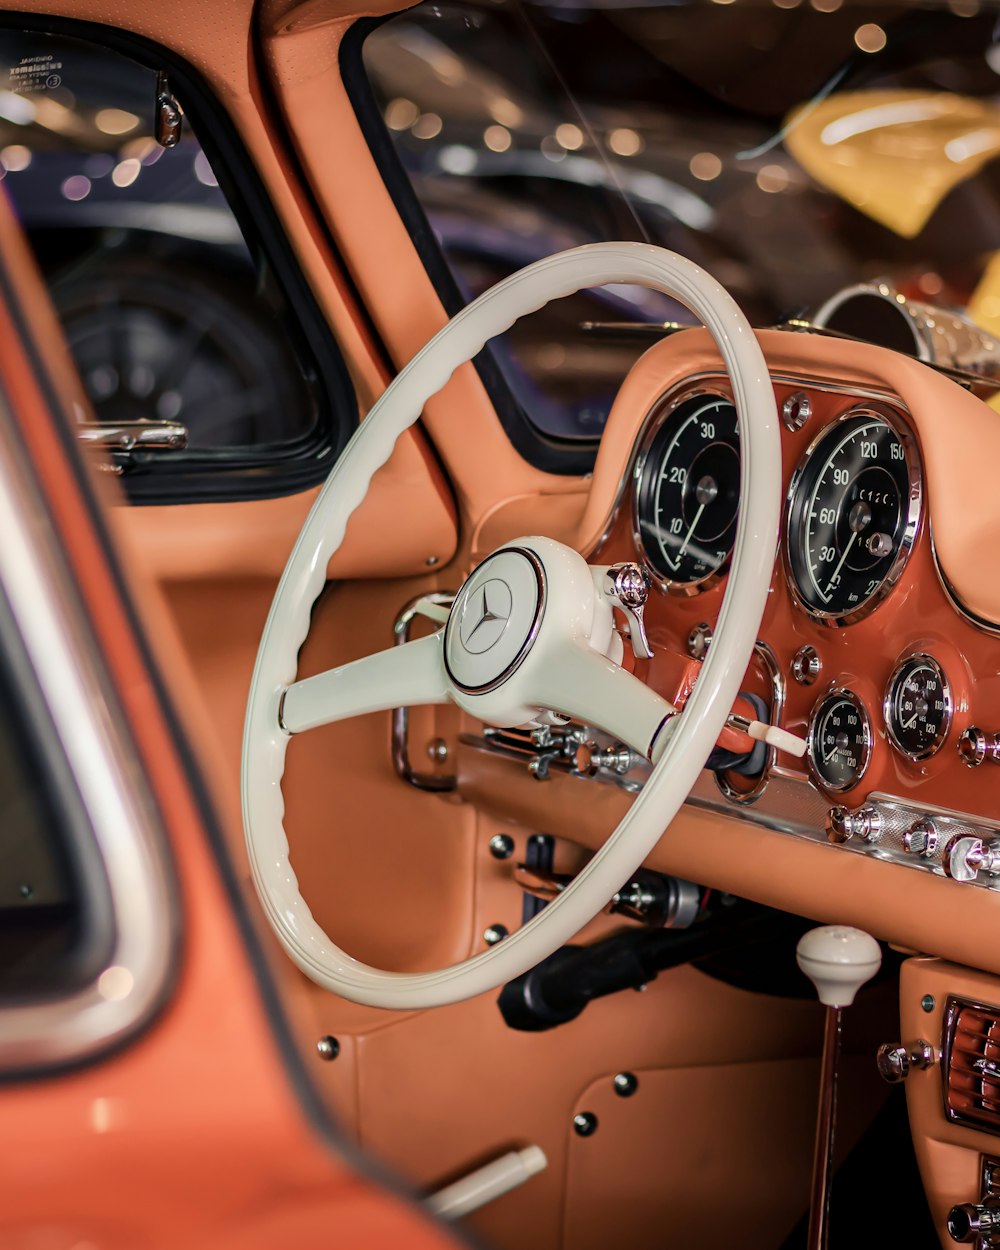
920	657
911	457
660	413
847	695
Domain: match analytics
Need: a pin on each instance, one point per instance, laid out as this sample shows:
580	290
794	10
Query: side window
169	273
53	905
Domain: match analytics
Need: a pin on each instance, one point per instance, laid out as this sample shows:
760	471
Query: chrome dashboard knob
864	822
972	1222
806	665
839	824
976	747
966	857
921	839
895	1060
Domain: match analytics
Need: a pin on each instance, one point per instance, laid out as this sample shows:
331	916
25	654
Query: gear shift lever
838	961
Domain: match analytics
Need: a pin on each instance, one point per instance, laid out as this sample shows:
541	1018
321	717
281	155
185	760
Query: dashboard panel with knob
870	659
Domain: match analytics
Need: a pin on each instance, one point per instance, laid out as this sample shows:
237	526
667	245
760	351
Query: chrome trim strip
791	804
101	757
987	627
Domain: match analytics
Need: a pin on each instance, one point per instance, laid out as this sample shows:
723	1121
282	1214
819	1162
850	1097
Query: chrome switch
921	839
976	747
864	822
895	1061
966	857
979	1223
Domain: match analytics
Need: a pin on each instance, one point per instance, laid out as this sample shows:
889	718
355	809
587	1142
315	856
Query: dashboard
863	651
866	648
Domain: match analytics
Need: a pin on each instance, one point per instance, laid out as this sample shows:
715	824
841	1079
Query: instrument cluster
853	512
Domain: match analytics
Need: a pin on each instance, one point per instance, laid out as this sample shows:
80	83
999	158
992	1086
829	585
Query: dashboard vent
972	1064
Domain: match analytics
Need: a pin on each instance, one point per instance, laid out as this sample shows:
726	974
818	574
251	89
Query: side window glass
171	305
484	138
53	906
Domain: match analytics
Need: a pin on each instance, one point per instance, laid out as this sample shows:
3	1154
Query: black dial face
689	490
918	707
840	740
852	517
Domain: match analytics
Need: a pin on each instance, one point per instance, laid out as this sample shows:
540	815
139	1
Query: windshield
793	149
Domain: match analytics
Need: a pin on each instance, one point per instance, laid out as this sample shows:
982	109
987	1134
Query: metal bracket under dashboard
435	782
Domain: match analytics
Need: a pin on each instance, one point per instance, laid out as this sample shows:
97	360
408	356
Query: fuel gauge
918	707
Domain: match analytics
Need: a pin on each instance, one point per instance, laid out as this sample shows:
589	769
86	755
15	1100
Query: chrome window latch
168	117
121	440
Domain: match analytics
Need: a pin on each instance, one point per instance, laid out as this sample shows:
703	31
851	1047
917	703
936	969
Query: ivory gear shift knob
838	960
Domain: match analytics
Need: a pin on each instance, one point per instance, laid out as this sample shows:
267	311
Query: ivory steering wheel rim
677	763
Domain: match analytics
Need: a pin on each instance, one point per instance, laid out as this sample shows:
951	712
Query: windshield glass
792	148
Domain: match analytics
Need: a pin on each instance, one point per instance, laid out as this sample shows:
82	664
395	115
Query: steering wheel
529	634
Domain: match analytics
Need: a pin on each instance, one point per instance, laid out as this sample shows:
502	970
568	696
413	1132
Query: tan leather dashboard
926	798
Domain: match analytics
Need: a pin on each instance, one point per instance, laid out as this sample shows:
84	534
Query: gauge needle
697	518
840	565
921	710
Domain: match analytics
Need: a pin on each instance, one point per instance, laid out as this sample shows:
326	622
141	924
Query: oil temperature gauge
918	707
840	740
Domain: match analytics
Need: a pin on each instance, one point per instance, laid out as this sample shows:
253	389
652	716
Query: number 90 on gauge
853	514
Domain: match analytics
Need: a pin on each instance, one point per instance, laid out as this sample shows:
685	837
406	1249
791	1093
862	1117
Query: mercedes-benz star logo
485	616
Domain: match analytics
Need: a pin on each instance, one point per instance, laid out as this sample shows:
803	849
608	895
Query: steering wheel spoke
402	676
582	684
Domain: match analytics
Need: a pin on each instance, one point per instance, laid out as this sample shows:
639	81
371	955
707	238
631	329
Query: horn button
494	620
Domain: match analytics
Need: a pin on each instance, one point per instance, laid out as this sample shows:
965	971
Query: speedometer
854	507
688	491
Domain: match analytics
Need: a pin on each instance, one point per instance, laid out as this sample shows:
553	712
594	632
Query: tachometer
687	492
854	506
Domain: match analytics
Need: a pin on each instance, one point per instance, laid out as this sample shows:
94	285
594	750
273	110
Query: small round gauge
854	506
918	707
688	491
840	740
